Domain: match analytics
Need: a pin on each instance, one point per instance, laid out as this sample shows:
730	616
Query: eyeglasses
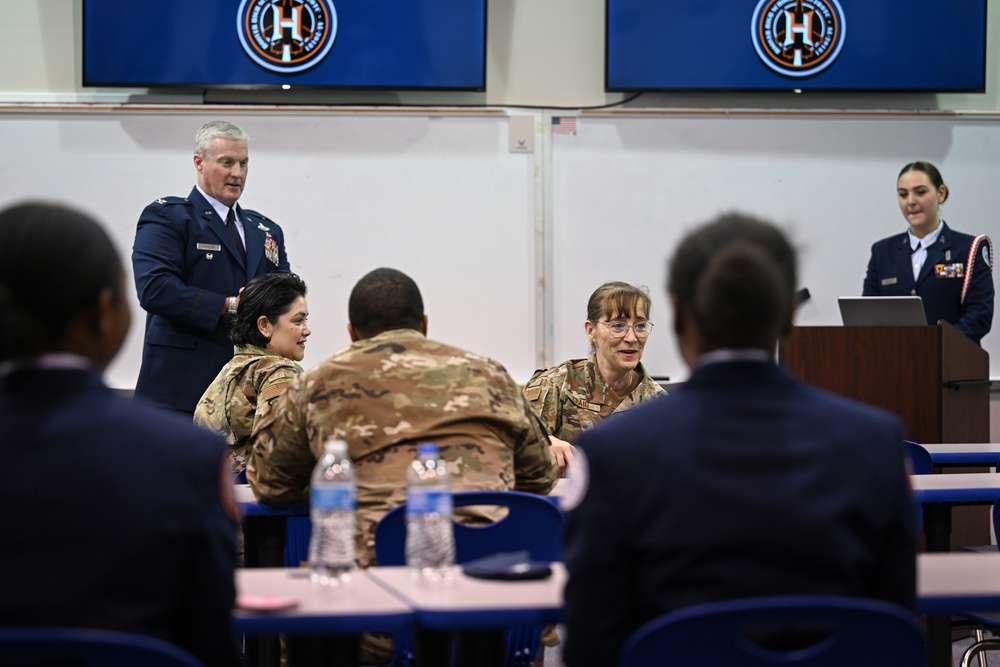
618	328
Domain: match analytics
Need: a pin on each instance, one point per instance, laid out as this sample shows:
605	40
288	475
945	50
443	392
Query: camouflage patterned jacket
386	394
241	394
572	397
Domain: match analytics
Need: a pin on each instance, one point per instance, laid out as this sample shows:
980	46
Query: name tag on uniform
209	246
953	270
889	281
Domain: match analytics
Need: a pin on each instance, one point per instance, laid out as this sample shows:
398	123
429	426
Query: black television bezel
792	88
268	87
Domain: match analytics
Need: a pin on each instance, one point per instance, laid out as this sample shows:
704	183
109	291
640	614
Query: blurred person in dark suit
742	483
116	515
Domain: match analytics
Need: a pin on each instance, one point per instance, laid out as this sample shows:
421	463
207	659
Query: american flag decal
564	125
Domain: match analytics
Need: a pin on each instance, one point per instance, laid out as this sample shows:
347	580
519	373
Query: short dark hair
932	174
385	299
270	295
735	276
57	261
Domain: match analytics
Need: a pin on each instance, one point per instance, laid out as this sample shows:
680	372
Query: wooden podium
933	377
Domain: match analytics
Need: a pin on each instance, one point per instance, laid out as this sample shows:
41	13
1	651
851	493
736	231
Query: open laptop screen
873	311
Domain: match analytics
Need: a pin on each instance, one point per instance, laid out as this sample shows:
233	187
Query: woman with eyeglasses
574	395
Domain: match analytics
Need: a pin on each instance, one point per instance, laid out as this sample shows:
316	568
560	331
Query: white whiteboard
626	188
438	197
442	198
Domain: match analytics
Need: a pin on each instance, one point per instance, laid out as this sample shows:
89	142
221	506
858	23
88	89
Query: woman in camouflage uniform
575	395
269	333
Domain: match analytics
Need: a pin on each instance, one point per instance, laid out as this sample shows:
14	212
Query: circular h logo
286	36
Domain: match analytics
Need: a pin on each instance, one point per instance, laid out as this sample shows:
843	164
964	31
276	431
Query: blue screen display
847	45
402	44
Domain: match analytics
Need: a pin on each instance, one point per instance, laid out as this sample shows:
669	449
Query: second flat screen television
835	45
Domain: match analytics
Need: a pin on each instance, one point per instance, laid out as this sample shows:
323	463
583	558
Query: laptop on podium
882	311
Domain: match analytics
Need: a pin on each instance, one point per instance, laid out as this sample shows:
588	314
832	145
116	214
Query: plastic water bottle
430	536
332	512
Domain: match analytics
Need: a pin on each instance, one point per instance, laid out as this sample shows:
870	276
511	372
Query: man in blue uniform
191	257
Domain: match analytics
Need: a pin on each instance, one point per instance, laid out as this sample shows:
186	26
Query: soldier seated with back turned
390	390
465	403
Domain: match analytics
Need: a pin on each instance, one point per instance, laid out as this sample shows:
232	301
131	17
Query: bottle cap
335	445
426	448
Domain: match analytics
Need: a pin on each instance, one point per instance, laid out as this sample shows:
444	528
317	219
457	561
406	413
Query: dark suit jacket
743	482
890	273
111	516
185	264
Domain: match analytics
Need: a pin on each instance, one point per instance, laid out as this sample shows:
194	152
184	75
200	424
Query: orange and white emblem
286	36
798	37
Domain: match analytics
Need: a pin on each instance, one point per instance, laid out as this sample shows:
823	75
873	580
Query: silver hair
217	129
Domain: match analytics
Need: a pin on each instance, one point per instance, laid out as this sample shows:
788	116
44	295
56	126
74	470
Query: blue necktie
231	224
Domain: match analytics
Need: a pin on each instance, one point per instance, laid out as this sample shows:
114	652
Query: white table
325	625
477	610
956	488
464	602
938	493
357	606
953	583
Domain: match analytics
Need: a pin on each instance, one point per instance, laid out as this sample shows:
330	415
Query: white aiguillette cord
970	262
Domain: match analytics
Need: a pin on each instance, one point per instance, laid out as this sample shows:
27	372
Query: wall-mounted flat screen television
398	44
828	45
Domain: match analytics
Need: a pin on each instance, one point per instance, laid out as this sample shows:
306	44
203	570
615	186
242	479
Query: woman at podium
950	271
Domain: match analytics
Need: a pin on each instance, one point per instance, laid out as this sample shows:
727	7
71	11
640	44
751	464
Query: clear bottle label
425	501
338	498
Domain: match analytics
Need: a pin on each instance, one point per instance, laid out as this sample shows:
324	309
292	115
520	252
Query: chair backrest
832	631
920	458
87	647
533	523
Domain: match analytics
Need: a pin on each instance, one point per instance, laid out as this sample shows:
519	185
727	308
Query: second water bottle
430	536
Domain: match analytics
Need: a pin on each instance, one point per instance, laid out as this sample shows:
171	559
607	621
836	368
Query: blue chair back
86	647
920	458
841	631
922	464
533	524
